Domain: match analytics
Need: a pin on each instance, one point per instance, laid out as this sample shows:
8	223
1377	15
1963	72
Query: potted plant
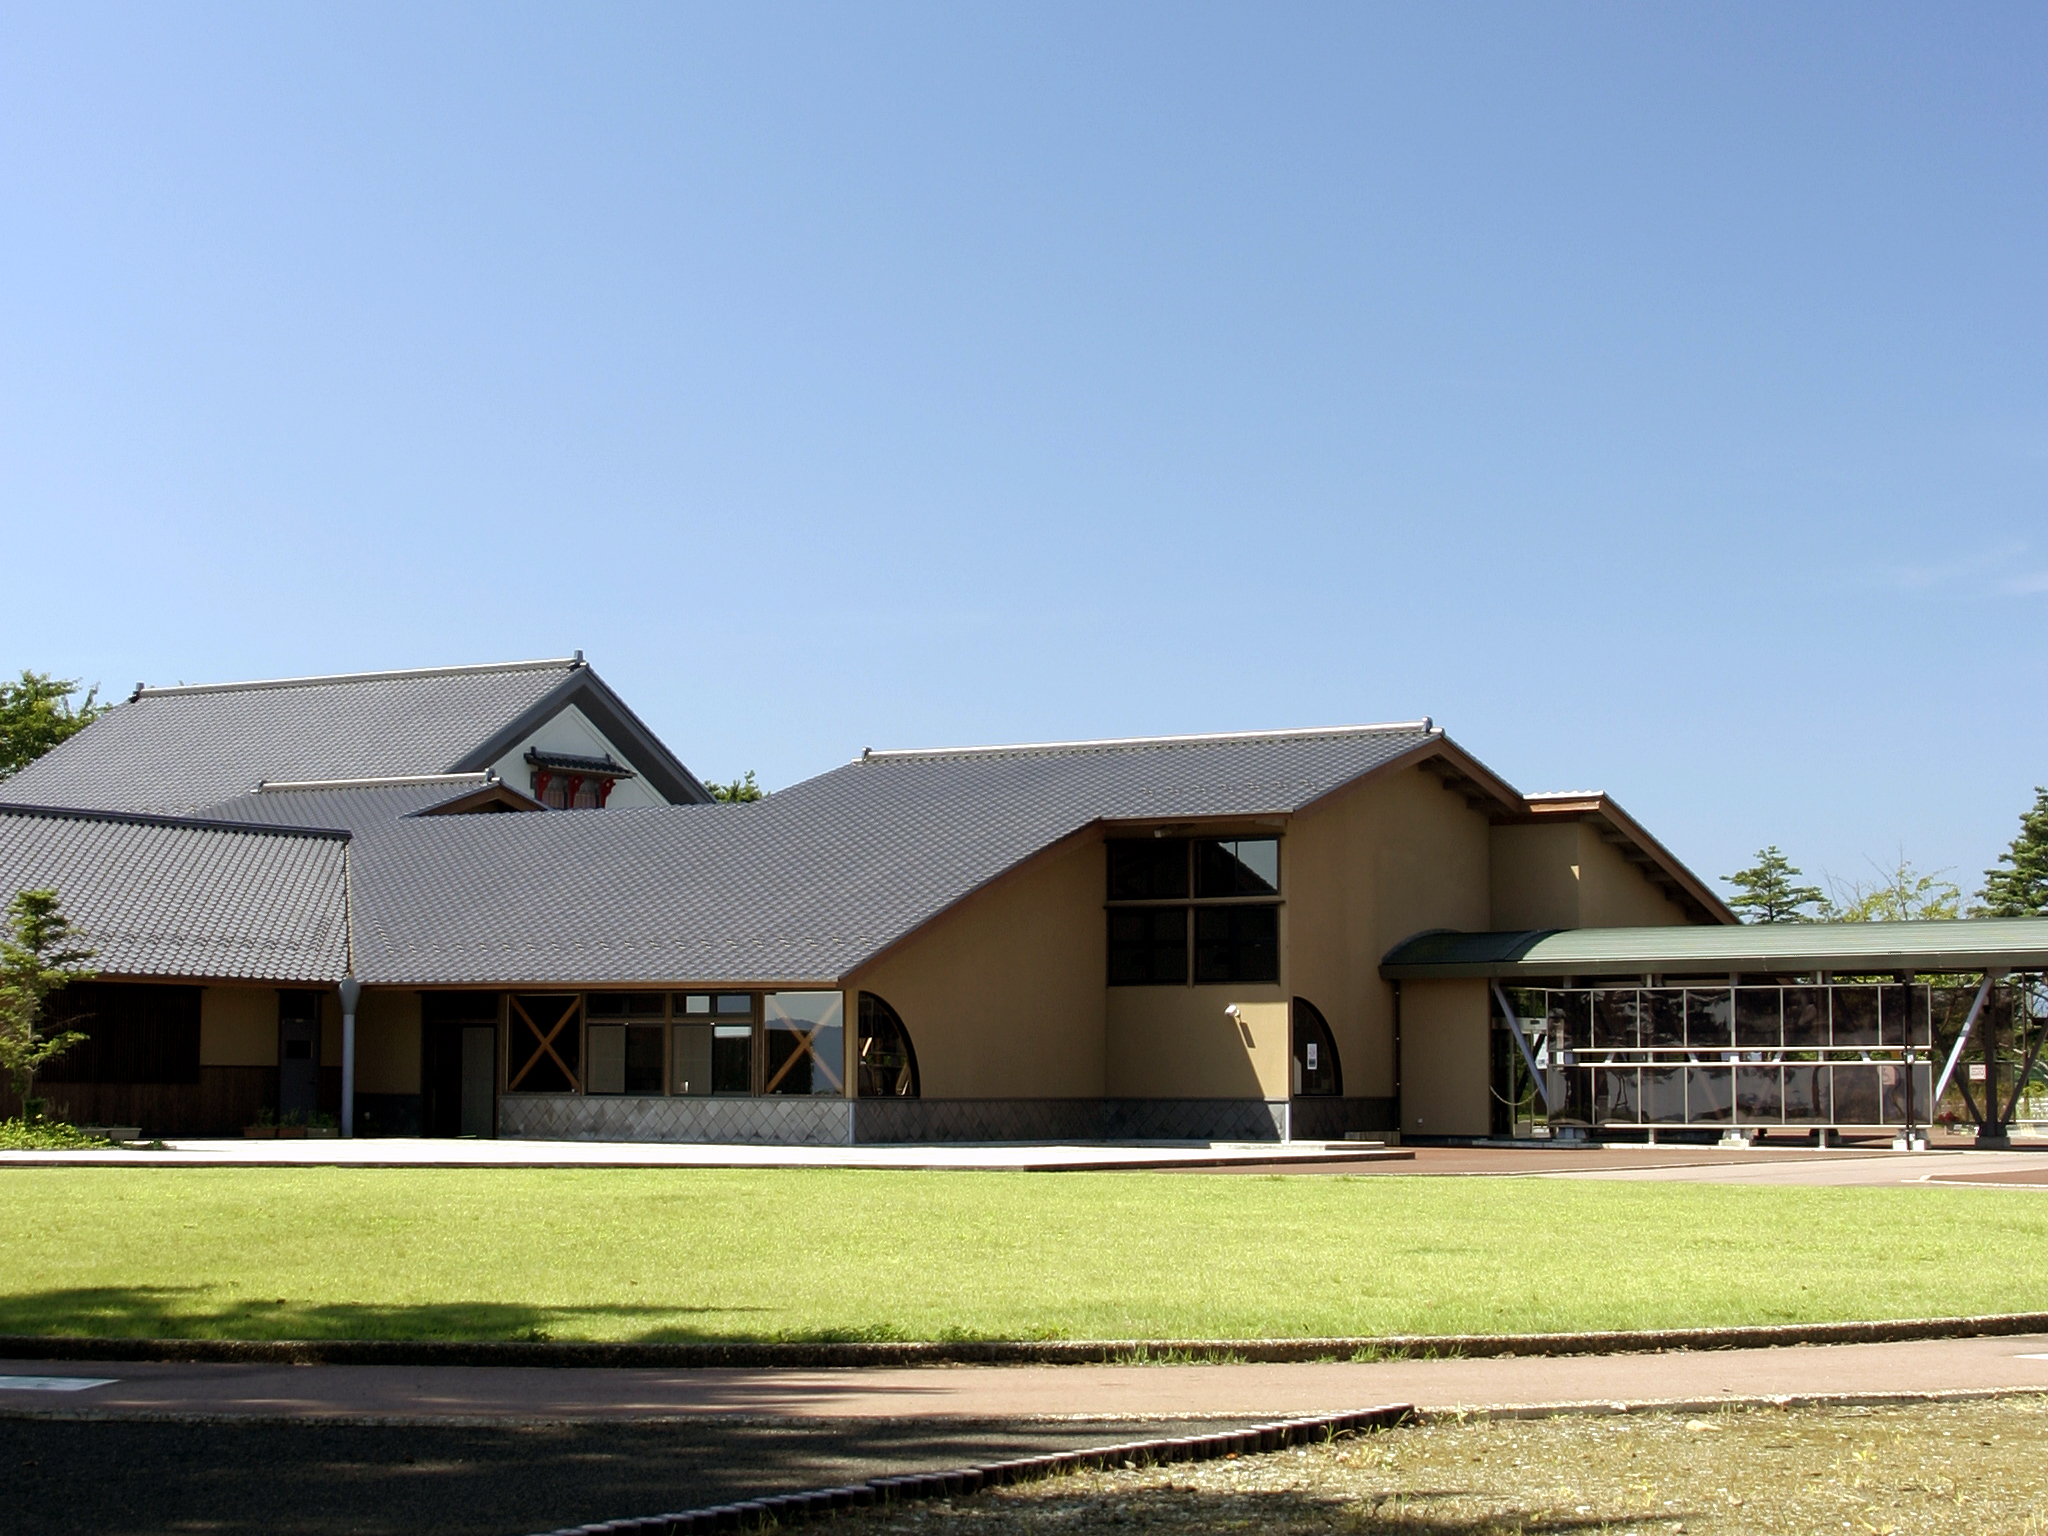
322	1124
265	1127
293	1124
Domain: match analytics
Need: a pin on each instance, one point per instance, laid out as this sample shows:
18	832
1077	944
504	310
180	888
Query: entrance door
479	1080
458	1060
298	1055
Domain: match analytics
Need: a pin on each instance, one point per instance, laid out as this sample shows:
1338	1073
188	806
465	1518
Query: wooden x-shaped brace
547	1043
803	1049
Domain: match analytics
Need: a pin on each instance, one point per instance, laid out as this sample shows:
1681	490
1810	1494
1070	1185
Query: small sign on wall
1976	1071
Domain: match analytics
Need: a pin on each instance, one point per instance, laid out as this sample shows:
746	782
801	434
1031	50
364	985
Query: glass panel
1757	1025
607	1068
1759	1095
1316	1069
887	1062
1855	1010
1148	946
1664	1095
1617	1097
1709	1019
1856	1096
1147	868
1248	866
1806	1095
697	1002
805	1043
625	1005
1570	1020
1709	1094
643	1058
693	1059
1578	1096
740	1004
1806	1018
1902	1014
546	1044
1892	1087
1663	1021
732	1058
1236	945
1614	1021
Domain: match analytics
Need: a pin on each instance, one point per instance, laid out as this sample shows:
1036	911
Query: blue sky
1655	396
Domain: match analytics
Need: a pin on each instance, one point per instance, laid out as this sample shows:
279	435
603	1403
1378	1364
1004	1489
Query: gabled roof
804	886
359	804
1627	836
179	897
1763	949
175	750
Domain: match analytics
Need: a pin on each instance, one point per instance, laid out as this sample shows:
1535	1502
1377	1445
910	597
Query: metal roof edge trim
870	754
389	781
182	823
315	681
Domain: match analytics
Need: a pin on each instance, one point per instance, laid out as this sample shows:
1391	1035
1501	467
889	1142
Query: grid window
1148	946
1148	868
1237	945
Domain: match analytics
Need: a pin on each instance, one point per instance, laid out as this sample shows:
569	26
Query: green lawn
840	1254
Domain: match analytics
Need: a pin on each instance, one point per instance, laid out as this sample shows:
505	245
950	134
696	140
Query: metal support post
1963	1038
1522	1043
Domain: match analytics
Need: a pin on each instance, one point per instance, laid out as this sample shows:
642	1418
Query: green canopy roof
1992	943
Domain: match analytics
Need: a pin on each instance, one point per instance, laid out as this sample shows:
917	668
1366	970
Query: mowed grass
675	1254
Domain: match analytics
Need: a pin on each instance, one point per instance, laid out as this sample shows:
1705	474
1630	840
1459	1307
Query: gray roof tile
163	898
174	750
805	885
350	810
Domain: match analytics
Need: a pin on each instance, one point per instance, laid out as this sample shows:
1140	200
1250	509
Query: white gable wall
571	732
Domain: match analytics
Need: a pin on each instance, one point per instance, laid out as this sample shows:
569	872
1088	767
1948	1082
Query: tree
40	953
2022	889
1899	895
738	792
37	713
1765	892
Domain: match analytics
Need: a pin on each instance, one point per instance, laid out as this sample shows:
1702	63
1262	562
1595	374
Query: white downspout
351	994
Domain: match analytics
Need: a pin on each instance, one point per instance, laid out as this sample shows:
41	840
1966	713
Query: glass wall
1729	1056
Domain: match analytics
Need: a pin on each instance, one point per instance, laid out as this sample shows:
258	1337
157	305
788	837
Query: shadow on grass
200	1312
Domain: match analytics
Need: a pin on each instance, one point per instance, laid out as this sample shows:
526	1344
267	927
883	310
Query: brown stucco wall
1565	875
1443	1058
1178	1043
1361	871
1613	892
238	1027
1003	995
388	1043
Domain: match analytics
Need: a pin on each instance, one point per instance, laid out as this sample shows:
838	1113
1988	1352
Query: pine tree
37	713
40	952
2021	889
1765	892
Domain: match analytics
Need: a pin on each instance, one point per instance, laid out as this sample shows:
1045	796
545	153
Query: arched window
888	1064
1316	1071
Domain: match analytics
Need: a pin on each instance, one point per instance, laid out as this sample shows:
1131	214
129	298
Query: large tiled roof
167	898
175	750
807	884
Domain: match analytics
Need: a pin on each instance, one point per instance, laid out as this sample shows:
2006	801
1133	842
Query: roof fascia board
1437	745
498	793
1634	831
608	712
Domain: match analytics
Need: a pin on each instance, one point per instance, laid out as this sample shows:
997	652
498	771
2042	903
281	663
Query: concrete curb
792	1508
815	1356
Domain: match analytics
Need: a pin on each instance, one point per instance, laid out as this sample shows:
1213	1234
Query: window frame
1191	843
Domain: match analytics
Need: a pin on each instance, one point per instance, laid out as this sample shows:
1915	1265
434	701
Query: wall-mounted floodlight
1235	1012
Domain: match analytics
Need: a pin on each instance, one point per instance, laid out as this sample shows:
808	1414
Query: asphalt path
373	1449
